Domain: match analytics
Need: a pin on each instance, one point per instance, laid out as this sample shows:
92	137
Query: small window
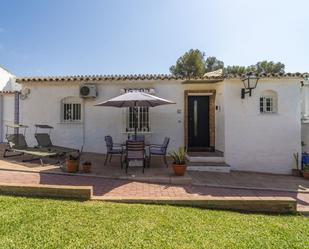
141	120
268	102
71	110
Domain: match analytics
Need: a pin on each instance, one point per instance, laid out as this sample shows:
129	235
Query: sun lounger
44	141
17	144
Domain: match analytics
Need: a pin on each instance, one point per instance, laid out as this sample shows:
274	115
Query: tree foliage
213	64
269	67
193	64
259	67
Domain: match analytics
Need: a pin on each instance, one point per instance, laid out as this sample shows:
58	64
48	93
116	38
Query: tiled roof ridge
8	92
152	77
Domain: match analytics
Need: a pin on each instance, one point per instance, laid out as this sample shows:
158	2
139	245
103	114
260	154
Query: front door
198	123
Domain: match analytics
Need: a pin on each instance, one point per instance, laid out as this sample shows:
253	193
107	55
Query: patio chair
113	149
44	141
17	144
135	151
159	150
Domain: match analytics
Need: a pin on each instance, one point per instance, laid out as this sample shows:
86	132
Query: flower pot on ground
179	161
72	163
87	167
306	172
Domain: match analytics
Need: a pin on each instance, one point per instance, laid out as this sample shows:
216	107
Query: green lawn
43	223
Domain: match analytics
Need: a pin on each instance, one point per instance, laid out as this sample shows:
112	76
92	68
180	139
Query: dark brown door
198	122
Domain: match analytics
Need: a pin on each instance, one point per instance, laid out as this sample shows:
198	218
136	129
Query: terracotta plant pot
86	167
72	165
306	174
179	170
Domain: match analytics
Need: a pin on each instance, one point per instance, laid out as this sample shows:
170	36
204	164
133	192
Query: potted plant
87	167
306	171
179	161
72	163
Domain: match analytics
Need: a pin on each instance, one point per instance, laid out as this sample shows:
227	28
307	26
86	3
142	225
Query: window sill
70	123
268	113
138	132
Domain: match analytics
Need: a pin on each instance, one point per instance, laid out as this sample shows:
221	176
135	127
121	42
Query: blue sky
68	37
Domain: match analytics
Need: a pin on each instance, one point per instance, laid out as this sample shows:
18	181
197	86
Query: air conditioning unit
88	91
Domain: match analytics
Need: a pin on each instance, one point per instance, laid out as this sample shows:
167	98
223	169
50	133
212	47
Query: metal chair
159	150
113	149
135	151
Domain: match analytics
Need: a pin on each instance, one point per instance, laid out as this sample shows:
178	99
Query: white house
258	133
8	99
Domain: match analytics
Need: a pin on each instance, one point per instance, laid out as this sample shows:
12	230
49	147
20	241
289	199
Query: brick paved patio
158	173
122	188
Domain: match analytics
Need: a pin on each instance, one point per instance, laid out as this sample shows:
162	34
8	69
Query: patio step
206	159
209	167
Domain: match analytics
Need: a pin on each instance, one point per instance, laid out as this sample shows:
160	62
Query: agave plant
179	156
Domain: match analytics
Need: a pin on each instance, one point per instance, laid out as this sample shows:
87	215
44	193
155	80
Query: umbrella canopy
134	99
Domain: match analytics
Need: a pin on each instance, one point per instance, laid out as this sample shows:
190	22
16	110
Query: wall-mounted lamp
250	81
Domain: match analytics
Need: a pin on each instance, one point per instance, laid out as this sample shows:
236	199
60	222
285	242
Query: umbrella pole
135	121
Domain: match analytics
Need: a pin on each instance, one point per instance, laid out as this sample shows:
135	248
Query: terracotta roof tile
151	77
8	92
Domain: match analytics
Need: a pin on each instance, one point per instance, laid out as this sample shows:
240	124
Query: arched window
269	102
71	110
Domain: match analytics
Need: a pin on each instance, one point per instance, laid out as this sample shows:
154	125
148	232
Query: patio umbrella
135	99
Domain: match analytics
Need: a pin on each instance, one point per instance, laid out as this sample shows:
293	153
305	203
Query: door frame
212	113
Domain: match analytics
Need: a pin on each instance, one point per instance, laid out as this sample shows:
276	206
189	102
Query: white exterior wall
250	141
262	142
42	106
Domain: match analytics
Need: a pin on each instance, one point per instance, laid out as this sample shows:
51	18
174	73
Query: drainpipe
16	111
1	118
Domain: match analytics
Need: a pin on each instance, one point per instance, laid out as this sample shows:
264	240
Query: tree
269	67
191	64
259	67
235	69
213	64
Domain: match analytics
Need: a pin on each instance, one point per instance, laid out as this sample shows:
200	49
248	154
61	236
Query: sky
86	37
